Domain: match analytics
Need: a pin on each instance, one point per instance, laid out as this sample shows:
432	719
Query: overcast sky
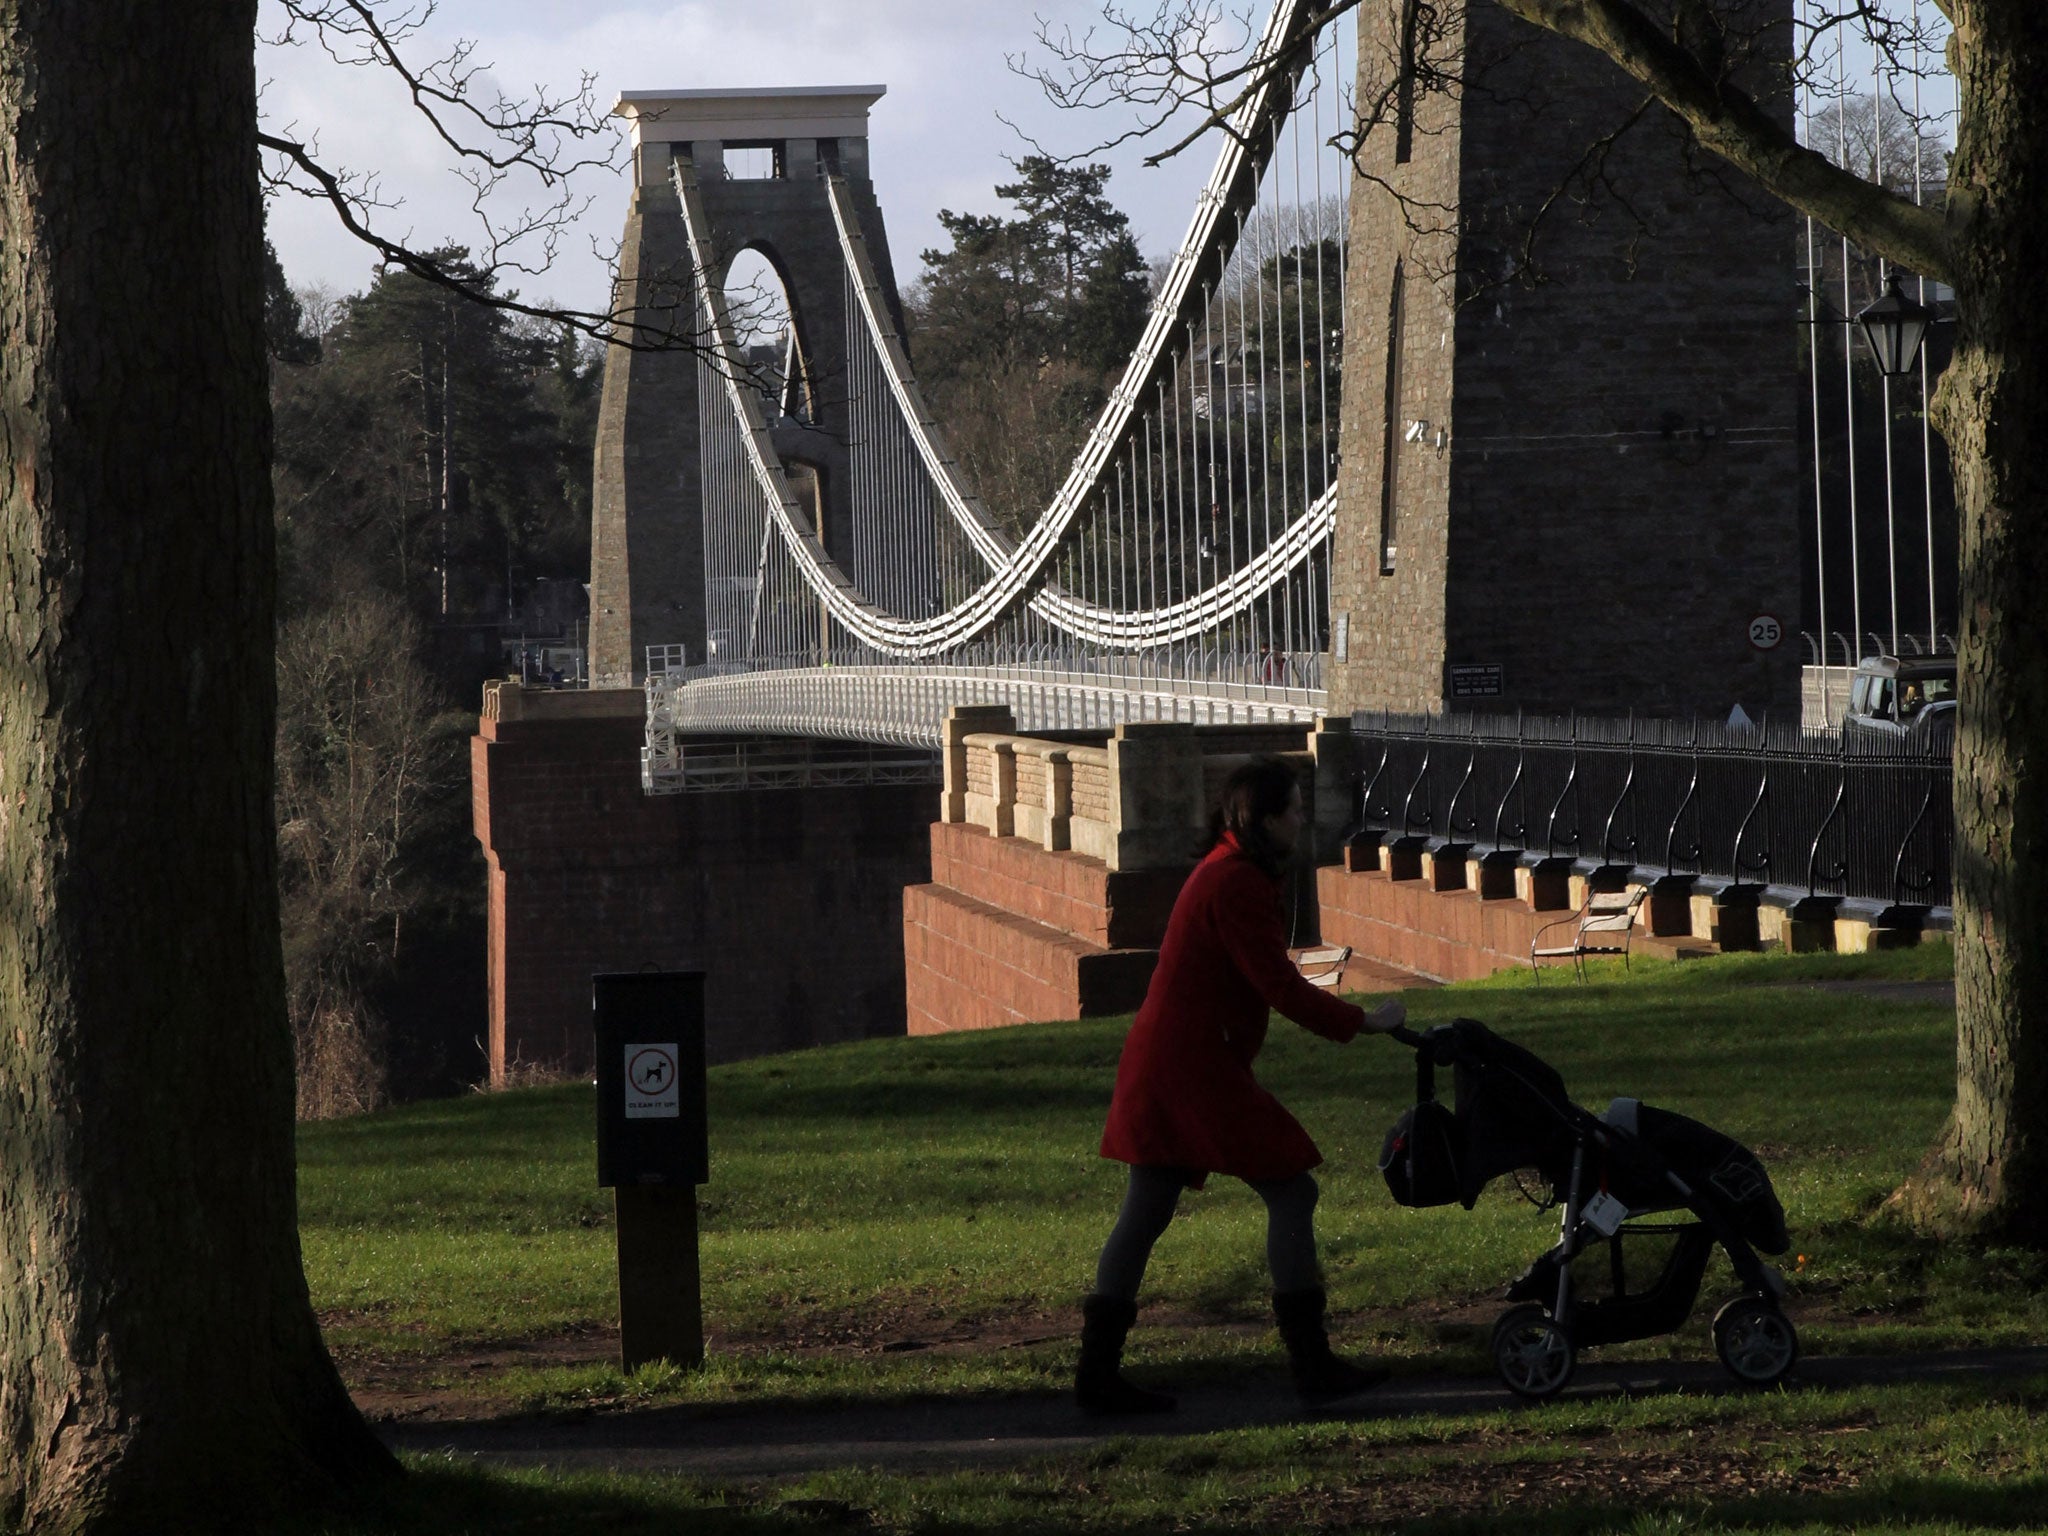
936	138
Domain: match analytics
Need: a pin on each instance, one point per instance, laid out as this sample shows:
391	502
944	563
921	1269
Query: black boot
1099	1387
1319	1376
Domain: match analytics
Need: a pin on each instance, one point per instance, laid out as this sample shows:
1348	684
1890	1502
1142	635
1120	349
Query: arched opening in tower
766	325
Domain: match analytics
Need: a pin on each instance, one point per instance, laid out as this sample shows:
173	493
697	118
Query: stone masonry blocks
646	548
1613	495
647	539
788	898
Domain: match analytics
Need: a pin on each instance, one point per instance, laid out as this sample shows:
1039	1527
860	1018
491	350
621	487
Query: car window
1859	697
1937	728
1881	698
1939	688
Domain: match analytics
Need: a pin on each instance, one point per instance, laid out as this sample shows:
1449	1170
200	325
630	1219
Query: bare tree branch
351	204
1169	63
1689	57
549	137
1733	125
1591	167
530	134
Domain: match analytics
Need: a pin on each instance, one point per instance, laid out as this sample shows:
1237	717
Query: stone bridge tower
646	536
1571	389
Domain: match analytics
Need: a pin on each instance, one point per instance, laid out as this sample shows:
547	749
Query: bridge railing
907	706
1215	667
1805	813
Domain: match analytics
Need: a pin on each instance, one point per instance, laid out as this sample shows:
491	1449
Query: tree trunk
1990	1176
160	1366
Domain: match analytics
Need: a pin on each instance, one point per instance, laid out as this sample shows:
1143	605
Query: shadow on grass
445	1498
1893	1504
451	1500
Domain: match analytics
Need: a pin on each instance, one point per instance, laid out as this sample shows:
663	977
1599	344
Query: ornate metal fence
1815	813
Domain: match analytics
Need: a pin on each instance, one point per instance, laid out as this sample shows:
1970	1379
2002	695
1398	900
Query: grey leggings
1149	1202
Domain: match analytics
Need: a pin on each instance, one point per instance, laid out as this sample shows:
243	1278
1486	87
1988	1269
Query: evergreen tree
1062	281
441	451
1022	325
284	319
433	463
1108	314
558	544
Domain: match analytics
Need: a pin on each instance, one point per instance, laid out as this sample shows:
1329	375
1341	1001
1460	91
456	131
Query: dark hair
1255	790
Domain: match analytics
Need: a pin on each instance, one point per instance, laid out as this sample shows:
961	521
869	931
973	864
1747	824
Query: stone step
1069	891
1674	946
969	964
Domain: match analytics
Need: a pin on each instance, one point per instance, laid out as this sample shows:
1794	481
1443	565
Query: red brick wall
789	899
1008	933
1068	891
1447	935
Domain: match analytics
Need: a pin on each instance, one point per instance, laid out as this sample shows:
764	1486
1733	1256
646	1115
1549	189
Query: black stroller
1612	1276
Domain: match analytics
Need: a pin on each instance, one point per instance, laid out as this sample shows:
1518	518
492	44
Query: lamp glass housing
1895	326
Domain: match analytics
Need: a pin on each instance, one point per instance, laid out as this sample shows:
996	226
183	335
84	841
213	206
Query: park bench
1323	966
1603	926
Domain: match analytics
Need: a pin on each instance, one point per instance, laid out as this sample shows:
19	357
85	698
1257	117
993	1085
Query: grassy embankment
881	1193
923	1183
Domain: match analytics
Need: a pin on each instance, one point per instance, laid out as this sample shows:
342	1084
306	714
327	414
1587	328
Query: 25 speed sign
1765	632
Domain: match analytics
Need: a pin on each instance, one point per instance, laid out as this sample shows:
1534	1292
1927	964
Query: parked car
1910	699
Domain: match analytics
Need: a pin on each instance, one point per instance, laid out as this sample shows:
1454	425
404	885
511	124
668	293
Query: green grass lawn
909	1187
857	1187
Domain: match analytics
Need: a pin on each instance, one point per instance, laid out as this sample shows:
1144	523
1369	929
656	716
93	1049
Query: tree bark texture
1723	117
1990	1176
160	1366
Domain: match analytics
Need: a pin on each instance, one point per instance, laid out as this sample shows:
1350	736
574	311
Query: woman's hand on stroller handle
1388	1018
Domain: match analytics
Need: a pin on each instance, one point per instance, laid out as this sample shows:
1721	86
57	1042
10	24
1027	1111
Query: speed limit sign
1765	632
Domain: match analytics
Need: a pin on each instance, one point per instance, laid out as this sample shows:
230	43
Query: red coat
1185	1095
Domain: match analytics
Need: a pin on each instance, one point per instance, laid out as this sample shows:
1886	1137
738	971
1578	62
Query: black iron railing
1812	812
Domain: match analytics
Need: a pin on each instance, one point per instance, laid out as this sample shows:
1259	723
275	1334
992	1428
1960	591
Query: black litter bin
653	1150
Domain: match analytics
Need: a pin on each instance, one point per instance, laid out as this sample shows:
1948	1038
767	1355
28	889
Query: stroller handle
1437	1047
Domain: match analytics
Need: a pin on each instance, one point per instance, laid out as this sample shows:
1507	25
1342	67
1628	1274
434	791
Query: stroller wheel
1533	1352
1756	1341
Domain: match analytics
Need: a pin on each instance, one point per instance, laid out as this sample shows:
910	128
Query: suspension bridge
812	560
1565	499
856	586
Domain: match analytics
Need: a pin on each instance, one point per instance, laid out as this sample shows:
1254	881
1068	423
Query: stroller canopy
1513	1112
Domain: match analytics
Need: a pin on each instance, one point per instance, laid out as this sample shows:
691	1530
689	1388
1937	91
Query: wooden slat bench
1603	926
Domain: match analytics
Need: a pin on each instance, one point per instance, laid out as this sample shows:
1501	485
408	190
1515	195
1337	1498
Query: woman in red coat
1187	1105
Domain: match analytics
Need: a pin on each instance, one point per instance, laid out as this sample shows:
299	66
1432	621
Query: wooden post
661	1306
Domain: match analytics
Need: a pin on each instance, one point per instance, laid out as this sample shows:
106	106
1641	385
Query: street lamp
1895	326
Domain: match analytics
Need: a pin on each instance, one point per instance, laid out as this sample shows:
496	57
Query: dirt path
769	1441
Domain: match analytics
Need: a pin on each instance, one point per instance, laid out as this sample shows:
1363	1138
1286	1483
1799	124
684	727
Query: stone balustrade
1136	798
1058	856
